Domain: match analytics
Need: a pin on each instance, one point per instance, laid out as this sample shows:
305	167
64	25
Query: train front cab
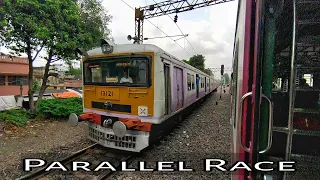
119	114
276	63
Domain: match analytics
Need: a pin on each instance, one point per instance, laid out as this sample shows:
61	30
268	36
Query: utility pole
221	72
165	8
21	89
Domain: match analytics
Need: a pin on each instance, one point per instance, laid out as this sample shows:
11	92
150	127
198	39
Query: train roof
135	48
128	48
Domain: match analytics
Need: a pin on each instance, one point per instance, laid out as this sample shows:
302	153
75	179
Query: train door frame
167	87
205	84
197	85
245	145
180	90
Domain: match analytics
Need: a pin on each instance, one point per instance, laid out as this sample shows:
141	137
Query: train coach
134	93
275	107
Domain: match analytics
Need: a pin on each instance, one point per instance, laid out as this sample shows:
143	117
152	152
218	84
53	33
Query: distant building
72	84
60	81
13	73
60	68
53	81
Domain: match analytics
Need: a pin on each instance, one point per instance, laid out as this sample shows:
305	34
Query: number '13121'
106	93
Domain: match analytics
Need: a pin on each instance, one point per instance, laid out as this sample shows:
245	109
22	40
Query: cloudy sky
211	30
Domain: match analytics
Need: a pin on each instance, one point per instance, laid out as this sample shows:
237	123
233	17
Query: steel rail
41	172
107	174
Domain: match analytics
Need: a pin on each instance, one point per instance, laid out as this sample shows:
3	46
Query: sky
210	30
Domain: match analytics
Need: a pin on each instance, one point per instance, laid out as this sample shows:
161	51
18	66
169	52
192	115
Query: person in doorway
125	78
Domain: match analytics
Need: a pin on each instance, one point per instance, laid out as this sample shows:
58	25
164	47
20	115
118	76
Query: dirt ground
37	139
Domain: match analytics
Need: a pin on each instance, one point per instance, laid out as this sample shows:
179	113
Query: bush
59	108
14	116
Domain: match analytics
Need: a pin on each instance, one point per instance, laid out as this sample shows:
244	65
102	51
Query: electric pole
165	8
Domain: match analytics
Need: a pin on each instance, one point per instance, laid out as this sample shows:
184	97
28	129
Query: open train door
197	84
246	91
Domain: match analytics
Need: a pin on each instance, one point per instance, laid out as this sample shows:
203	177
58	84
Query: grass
53	109
15	117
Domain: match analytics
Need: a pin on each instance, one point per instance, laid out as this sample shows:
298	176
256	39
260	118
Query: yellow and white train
134	93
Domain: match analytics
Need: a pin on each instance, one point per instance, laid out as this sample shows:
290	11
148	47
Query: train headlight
106	47
73	119
107	122
119	129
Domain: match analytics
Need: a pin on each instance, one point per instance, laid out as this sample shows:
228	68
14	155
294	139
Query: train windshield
127	71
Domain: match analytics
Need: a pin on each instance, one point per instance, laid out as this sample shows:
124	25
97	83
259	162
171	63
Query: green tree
197	61
36	85
91	24
96	20
186	61
208	71
226	78
63	35
23	29
76	72
58	26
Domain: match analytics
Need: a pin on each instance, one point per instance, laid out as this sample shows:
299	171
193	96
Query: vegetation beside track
53	109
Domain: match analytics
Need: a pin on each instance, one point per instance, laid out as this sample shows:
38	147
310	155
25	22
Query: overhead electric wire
180	31
165	37
159	29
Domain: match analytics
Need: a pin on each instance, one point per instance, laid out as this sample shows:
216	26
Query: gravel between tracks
206	133
49	140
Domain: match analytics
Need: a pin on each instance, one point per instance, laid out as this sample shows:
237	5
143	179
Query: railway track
93	153
88	153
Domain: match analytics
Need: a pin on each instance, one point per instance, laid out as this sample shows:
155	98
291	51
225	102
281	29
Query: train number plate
108	93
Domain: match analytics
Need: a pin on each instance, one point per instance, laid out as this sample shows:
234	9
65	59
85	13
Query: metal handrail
240	122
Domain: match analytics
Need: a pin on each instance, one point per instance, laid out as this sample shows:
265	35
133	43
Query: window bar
291	90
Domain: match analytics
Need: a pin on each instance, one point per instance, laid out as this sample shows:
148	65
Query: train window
189	81
92	73
202	82
116	71
193	80
2	80
308	79
276	84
